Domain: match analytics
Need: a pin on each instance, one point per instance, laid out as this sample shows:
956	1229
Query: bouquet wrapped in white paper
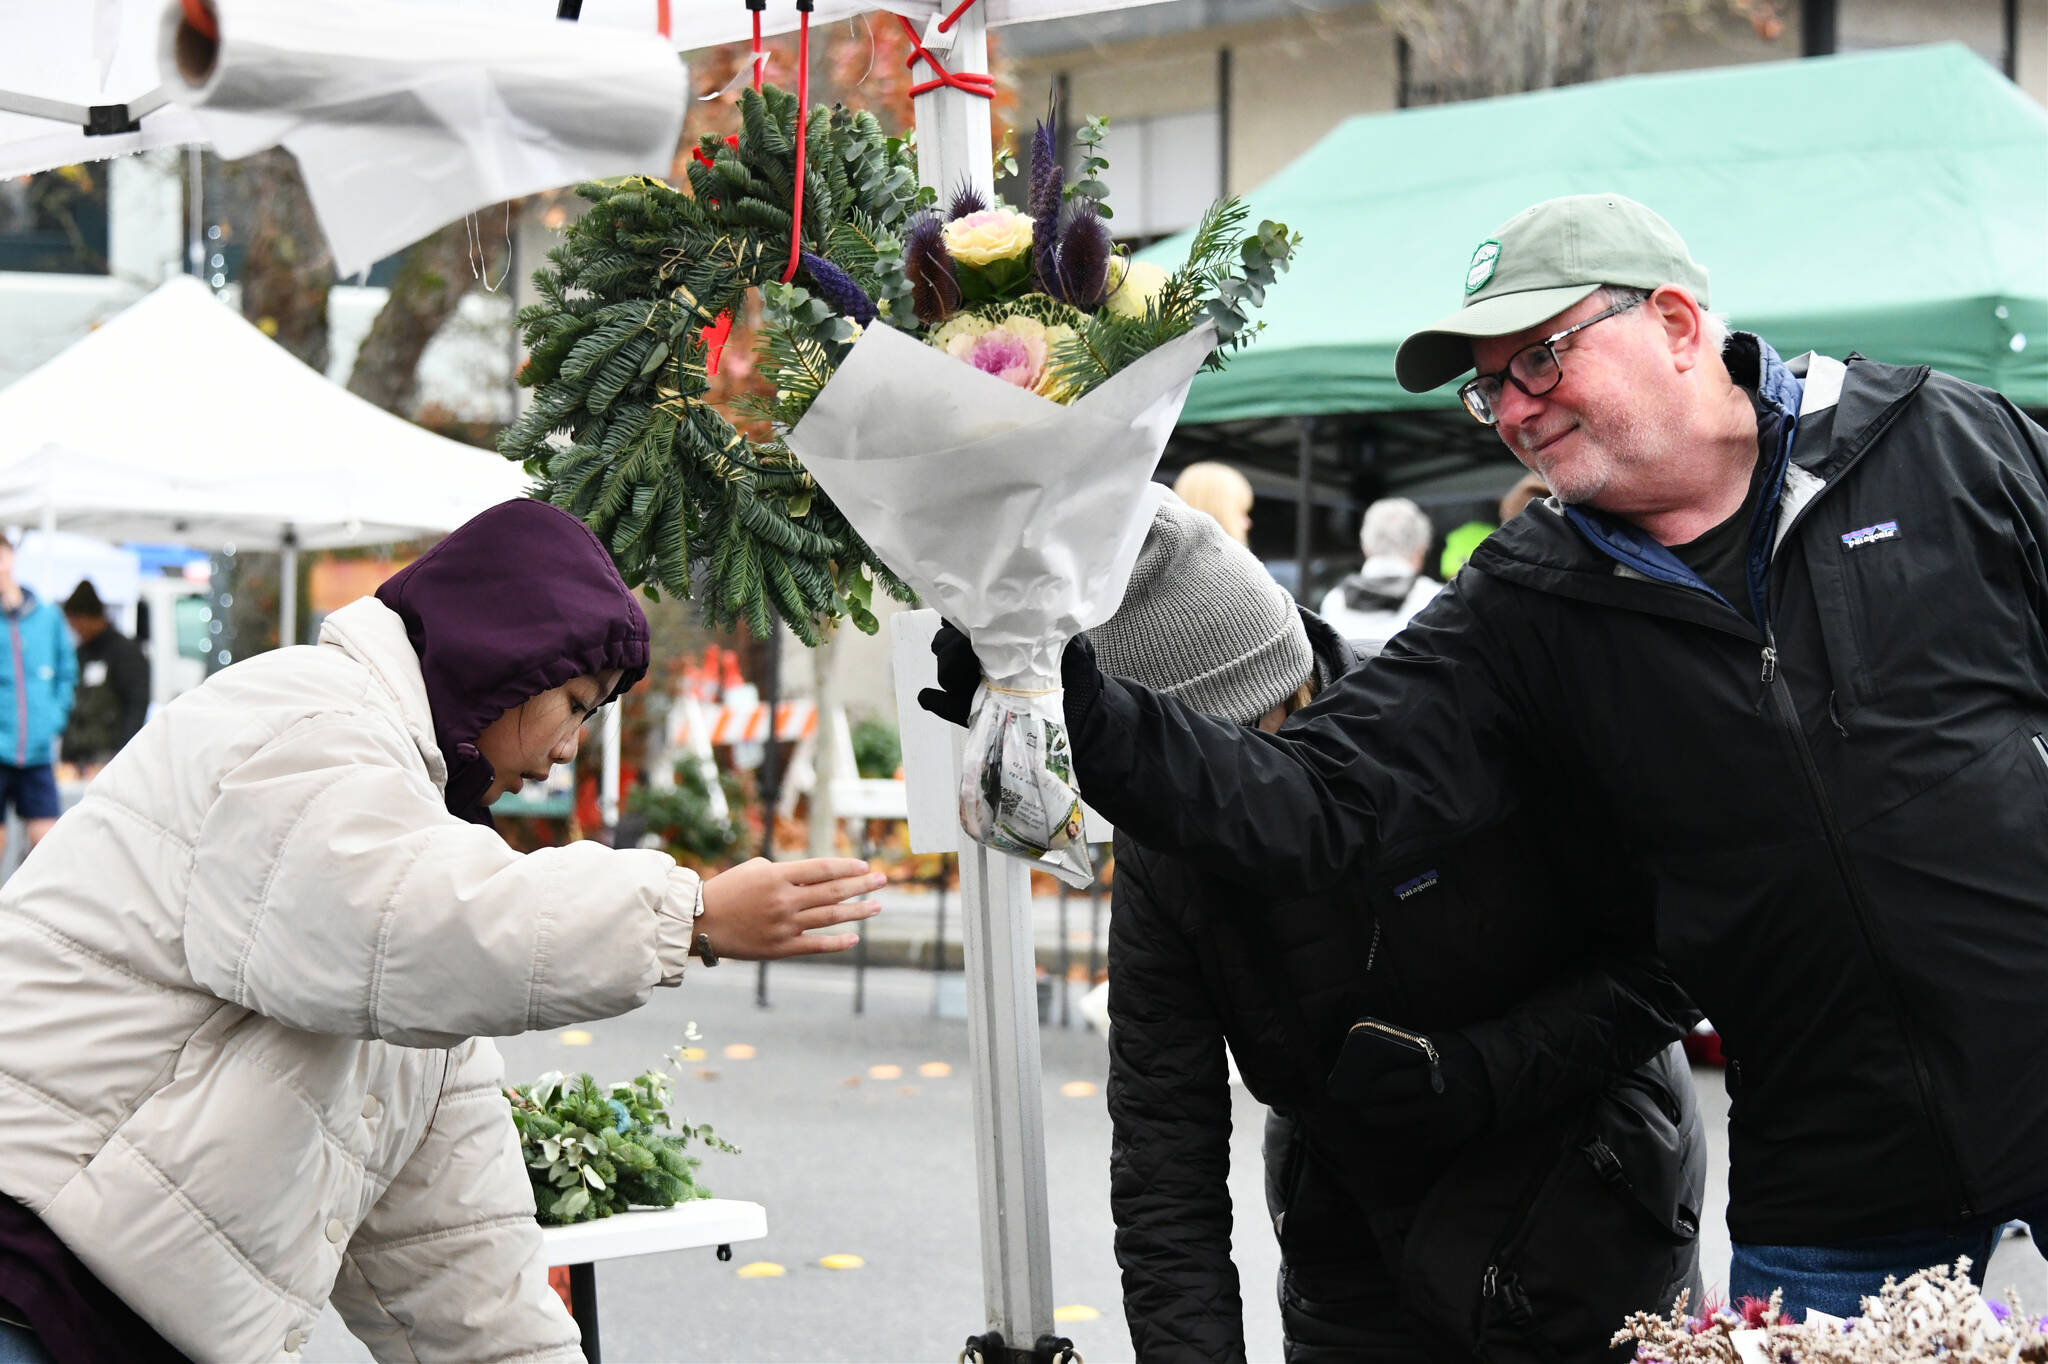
1018	518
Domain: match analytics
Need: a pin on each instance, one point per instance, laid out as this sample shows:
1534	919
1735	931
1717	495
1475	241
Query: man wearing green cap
1786	628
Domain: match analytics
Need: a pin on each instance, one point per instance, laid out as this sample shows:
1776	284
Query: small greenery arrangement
592	1152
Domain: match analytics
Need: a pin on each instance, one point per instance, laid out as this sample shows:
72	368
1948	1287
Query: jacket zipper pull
1436	1071
1490	1284
1770	665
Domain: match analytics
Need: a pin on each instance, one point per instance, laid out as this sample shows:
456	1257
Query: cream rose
1133	284
994	234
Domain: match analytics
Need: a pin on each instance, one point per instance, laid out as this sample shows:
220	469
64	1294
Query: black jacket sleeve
1409	748
1169	1106
1579	1033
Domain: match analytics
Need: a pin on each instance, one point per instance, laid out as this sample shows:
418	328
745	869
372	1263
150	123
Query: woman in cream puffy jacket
245	985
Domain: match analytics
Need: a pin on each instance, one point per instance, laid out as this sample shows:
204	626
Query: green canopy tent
1893	203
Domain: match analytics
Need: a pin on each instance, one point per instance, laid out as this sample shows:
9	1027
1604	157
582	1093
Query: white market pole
955	149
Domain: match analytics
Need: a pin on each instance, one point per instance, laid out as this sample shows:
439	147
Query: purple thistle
837	288
966	199
934	289
1084	254
1047	182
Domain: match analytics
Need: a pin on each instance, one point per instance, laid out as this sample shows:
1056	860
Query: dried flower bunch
1934	1314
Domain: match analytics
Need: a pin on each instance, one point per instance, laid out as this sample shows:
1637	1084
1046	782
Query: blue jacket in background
38	673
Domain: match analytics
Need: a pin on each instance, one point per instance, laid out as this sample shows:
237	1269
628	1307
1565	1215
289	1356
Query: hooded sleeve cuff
676	922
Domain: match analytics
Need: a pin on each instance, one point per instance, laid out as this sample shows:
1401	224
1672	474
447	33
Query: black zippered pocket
1350	1076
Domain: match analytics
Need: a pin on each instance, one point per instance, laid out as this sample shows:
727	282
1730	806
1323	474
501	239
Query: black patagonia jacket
1547	973
1844	808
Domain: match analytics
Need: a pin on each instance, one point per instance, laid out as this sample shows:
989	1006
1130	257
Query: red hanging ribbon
946	24
715	336
971	82
803	111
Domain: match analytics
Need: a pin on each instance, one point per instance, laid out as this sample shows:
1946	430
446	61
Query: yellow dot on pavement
842	1262
739	1051
934	1069
885	1072
1074	1312
693	1053
1077	1089
761	1269
576	1037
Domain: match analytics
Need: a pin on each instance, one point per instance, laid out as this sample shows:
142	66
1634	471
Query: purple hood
518	599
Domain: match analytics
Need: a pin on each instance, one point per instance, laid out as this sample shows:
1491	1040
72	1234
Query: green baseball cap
1541	262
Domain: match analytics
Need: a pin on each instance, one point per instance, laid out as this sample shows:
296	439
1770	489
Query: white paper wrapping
1018	519
404	117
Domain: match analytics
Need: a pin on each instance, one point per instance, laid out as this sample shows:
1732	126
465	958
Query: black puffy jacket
1844	809
1489	934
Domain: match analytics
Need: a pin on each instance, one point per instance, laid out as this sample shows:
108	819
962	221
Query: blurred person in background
1222	492
1539	1039
247	985
37	683
1368	607
1530	487
112	699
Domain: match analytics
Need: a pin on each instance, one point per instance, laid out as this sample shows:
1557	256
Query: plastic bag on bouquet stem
1017	792
1019	519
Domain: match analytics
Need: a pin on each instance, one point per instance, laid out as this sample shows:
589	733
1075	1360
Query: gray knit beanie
1203	622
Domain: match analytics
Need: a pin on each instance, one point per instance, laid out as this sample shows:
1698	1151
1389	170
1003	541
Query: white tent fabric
403	116
179	421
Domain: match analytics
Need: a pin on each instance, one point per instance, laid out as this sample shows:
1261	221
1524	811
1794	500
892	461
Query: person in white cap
1785	628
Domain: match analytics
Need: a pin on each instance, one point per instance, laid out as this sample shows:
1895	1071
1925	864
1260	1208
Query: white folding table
643	1231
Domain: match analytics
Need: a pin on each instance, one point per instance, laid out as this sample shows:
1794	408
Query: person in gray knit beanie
1204	622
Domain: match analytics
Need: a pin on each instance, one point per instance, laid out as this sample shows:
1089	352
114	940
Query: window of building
55	221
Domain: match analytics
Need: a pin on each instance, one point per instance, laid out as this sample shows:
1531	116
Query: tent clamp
98	120
991	1349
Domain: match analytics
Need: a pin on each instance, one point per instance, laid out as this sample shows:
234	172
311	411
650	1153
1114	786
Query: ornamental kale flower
837	288
1047	181
934	288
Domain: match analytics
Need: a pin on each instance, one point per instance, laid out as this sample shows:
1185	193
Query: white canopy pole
955	150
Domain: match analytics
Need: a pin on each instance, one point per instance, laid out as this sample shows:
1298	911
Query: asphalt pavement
857	1135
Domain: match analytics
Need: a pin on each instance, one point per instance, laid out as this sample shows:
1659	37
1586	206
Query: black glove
1394	1089
960	674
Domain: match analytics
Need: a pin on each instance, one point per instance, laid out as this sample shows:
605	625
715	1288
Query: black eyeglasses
1533	369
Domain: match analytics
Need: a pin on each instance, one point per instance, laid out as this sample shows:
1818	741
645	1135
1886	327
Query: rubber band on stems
1023	692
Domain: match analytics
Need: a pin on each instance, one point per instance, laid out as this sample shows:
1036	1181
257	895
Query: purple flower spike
1998	1309
934	288
966	199
1047	182
1084	254
837	288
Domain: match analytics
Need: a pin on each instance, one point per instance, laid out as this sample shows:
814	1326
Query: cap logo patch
1481	268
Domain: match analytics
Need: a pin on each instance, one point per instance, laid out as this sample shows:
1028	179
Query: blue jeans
18	1345
1836	1279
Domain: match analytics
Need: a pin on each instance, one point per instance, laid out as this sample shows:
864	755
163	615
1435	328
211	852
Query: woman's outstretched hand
762	910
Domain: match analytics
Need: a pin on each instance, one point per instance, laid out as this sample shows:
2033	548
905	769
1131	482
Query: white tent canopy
179	421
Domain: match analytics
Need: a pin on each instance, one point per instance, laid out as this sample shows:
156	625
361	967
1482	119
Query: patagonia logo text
1870	535
1417	885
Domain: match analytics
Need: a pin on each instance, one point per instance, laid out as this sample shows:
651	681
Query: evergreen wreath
618	353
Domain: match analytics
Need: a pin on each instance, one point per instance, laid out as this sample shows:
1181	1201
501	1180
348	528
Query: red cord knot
970	82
